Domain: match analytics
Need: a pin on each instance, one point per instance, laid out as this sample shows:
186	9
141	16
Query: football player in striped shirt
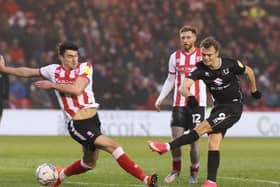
185	113
72	82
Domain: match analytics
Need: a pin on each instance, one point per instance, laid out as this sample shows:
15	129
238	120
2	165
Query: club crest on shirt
87	70
225	71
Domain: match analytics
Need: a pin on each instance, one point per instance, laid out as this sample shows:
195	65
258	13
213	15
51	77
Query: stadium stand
129	43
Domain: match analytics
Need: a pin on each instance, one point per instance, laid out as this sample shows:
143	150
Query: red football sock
194	170
75	168
127	164
176	165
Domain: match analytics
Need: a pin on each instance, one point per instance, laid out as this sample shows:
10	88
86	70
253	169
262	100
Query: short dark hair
62	47
188	28
210	41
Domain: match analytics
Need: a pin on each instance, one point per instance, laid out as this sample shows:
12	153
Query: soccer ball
46	174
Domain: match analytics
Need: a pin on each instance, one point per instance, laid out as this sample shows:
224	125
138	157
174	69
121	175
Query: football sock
128	165
176	164
194	169
195	165
185	139
212	165
75	168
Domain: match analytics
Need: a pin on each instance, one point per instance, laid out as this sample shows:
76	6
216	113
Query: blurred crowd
129	43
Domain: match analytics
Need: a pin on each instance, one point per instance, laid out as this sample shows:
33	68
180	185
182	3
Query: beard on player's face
187	46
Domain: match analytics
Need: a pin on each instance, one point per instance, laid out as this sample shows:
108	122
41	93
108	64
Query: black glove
192	102
257	94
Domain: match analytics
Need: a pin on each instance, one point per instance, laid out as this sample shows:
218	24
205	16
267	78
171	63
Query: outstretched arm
18	71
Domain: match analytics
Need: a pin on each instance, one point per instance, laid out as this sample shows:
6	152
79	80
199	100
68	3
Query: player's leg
213	160
196	116
176	156
203	128
88	162
221	118
194	157
84	132
109	145
88	133
178	126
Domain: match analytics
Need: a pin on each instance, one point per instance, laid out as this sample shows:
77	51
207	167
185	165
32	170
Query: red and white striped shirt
71	104
180	65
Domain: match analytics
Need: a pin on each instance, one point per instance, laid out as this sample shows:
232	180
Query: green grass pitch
245	162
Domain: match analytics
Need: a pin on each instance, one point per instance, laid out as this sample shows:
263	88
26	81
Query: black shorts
187	117
224	116
85	131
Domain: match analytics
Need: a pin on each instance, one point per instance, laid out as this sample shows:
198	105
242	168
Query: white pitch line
106	184
251	180
135	185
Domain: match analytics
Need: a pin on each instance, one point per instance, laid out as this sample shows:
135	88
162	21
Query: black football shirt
223	83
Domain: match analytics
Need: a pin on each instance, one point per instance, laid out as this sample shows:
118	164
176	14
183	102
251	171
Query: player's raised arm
252	82
18	71
185	86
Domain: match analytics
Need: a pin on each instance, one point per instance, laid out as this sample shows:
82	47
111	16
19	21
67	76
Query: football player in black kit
221	78
4	91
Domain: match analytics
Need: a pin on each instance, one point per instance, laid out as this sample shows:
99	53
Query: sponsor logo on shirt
184	69
218	81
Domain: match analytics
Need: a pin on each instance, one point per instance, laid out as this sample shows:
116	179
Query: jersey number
196	118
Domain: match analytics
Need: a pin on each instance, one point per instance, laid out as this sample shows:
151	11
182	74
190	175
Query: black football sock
212	165
184	139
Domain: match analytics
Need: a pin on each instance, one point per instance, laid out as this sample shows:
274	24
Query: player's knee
213	145
107	144
112	147
176	152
